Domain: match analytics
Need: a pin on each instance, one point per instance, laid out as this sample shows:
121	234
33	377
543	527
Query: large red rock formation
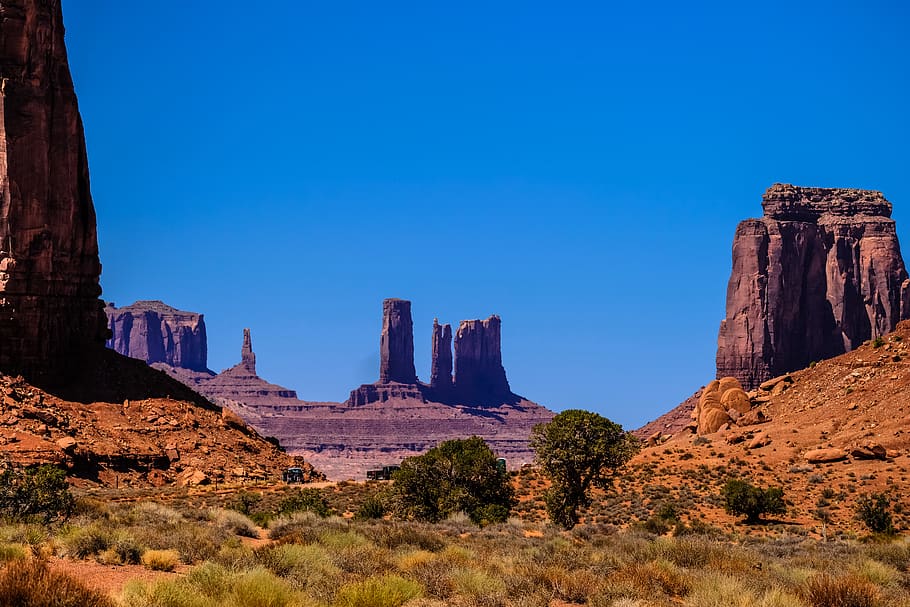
49	267
815	277
479	374
157	333
441	364
396	344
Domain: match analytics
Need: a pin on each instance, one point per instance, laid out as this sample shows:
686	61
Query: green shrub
740	497
305	500
11	552
385	591
372	507
458	475
38	493
875	512
32	584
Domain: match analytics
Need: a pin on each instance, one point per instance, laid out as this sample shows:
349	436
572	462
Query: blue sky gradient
578	170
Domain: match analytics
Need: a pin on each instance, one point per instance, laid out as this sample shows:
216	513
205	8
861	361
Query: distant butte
820	273
396	417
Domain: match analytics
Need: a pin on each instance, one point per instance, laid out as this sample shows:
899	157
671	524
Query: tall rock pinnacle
396	345
441	365
49	267
247	357
479	374
820	273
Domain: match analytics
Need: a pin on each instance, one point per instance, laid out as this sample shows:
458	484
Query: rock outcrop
441	363
396	344
820	273
238	384
50	311
157	333
479	374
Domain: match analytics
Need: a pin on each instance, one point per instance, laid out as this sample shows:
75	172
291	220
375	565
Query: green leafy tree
455	476
38	493
875	512
741	497
305	500
577	450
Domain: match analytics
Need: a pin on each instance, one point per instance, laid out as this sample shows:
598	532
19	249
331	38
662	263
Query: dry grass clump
385	591
30	583
825	590
235	523
160	560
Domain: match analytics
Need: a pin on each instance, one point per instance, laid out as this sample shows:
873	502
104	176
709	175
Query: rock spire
396	344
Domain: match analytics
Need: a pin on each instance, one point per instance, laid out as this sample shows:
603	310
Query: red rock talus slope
157	333
826	434
150	441
49	267
820	273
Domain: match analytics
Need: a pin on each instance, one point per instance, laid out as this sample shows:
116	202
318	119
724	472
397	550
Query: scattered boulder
67	443
869	451
753	418
759	440
824	456
192	477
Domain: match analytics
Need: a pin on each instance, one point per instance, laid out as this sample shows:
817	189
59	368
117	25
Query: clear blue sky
578	169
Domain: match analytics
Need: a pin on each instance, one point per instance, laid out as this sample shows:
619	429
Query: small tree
875	512
741	497
578	449
458	475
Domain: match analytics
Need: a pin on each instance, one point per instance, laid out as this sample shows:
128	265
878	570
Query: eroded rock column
396	344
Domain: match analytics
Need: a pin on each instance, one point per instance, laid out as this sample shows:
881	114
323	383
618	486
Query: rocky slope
157	333
820	273
50	311
826	434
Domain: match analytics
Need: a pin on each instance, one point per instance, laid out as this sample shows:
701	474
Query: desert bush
455	476
895	554
477	587
235	522
83	542
385	591
741	497
38	493
299	527
160	560
875	512
373	507
824	590
260	588
394	535
12	552
32	584
305	500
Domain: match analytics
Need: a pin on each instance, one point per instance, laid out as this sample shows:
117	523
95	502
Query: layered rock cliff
820	273
50	311
157	333
396	344
479	374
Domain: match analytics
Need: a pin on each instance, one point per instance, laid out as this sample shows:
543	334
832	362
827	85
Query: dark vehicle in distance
382	474
292	475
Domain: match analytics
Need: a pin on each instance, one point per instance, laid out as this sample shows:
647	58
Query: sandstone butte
108	418
819	274
396	417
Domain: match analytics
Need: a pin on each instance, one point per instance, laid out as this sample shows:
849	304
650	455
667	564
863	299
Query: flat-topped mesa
479	374
818	275
441	365
50	311
247	357
396	344
157	333
786	202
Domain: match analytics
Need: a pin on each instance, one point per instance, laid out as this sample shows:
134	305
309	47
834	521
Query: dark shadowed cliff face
815	277
157	333
479	374
396	344
49	267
